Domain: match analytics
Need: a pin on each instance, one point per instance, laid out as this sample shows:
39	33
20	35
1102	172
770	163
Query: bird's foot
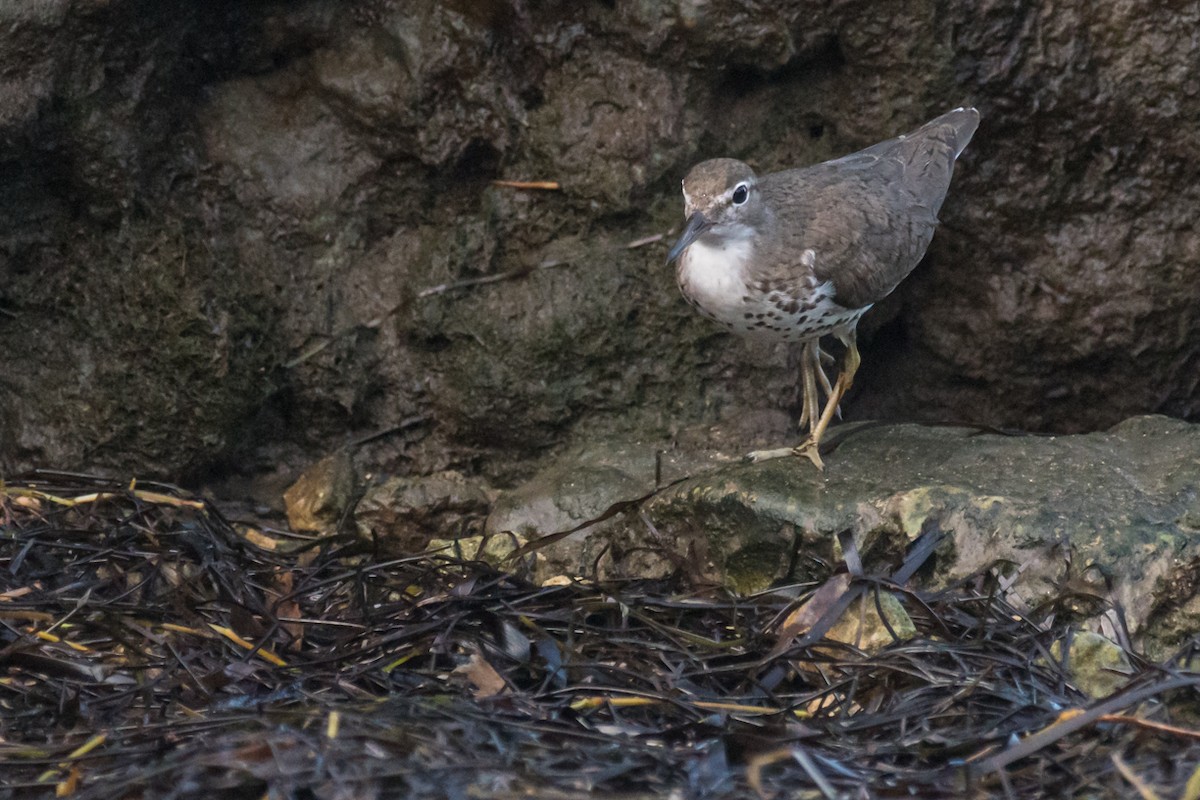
806	449
766	455
810	448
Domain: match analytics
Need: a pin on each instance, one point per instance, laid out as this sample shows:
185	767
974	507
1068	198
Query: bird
803	253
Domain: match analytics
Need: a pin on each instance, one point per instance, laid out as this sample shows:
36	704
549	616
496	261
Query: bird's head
720	201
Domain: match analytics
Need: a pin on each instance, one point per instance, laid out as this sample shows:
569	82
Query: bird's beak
696	226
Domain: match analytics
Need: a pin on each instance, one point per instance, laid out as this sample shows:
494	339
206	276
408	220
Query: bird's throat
712	273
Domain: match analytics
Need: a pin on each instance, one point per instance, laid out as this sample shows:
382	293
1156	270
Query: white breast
712	277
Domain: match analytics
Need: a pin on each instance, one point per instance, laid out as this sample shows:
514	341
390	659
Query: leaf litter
151	648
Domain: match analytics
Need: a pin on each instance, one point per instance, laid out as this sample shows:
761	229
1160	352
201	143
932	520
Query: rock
319	498
286	146
1126	500
402	515
1097	665
496	550
583	486
1089	301
639	136
861	625
426	80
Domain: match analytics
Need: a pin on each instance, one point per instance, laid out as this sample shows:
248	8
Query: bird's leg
810	414
810	367
810	448
803	385
825	385
810	403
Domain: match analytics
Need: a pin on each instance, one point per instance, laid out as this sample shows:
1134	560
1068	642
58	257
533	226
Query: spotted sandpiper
799	254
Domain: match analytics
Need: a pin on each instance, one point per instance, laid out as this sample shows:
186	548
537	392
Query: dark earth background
217	219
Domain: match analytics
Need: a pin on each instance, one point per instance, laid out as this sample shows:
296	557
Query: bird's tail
955	128
927	155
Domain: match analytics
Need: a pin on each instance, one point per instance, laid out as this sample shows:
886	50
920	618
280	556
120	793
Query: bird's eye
740	194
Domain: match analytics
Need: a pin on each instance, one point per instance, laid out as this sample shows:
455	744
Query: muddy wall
227	229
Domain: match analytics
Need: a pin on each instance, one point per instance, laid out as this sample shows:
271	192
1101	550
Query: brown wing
868	217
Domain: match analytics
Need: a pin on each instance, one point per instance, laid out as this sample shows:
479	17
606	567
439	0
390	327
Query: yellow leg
810	369
825	385
813	370
810	448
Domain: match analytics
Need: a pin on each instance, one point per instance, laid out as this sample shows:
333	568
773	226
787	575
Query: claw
812	451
